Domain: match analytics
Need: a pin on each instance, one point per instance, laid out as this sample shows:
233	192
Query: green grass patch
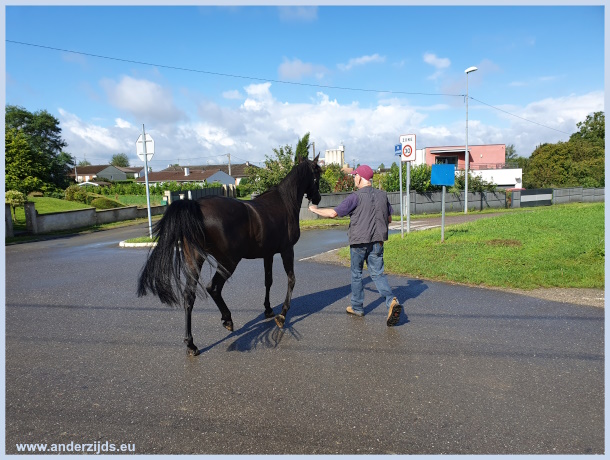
556	246
142	239
138	200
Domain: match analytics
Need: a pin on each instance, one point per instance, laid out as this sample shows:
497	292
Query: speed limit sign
408	147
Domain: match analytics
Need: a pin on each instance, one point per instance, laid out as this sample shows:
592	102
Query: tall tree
510	154
278	166
43	135
23	166
593	129
120	159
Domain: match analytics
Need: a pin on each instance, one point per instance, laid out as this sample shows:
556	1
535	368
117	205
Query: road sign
443	175
398	149
408	147
150	147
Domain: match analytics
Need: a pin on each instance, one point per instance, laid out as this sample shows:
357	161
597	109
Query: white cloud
298	13
296	69
435	61
120	123
363	60
262	122
143	99
232	94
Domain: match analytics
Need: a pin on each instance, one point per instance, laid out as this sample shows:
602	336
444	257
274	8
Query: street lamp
466	155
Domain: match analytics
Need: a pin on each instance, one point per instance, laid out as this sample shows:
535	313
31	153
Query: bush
76	193
105	203
15	199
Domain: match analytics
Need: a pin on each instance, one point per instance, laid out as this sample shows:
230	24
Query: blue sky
245	80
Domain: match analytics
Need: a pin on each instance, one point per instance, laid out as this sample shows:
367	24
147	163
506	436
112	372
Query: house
187	175
132	172
236	171
486	161
91	172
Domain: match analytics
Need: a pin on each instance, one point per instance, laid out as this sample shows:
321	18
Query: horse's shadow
261	332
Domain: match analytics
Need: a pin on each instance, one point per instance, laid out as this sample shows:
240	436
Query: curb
123	244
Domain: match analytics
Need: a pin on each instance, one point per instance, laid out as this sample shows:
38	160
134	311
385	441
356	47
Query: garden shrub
105	203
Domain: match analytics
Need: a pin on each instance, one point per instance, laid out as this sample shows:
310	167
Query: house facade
187	175
97	172
486	161
236	171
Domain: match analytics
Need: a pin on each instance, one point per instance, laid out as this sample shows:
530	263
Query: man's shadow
263	332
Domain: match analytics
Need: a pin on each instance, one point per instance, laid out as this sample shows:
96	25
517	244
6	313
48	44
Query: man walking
370	213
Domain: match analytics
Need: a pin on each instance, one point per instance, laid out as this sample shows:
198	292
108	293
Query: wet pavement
466	370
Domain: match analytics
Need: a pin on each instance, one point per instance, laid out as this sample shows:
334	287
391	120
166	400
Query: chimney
186	171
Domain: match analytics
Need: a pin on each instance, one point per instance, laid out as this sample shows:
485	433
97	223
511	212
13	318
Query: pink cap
364	171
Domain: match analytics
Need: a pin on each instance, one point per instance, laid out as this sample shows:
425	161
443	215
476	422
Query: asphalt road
466	371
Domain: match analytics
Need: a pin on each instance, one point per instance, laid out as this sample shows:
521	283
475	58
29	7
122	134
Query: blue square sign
443	175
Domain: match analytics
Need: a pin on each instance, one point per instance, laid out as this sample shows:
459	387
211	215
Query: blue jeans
373	254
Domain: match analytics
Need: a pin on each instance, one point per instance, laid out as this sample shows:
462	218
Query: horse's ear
315	160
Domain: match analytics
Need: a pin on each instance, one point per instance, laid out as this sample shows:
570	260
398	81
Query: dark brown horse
223	231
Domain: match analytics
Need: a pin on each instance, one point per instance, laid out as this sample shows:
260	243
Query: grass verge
557	246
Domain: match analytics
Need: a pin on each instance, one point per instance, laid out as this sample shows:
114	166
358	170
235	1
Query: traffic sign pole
146	180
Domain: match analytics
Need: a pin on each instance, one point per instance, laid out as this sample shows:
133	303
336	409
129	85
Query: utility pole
229	155
314	150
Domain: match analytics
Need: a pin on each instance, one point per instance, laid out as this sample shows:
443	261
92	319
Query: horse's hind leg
214	288
268	283
288	260
190	292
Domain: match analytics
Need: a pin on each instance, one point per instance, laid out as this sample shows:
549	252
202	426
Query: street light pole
466	154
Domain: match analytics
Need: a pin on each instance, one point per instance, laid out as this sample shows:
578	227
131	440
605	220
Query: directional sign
150	147
408	147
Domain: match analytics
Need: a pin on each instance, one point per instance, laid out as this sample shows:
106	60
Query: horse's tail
180	246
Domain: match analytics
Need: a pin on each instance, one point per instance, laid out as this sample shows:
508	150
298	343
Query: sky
209	81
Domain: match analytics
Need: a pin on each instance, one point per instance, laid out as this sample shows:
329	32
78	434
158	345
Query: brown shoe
350	311
394	313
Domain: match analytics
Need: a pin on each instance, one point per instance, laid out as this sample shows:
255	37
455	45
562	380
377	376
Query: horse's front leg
288	260
268	283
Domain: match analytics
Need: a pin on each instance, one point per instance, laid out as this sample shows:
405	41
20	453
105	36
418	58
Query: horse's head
313	184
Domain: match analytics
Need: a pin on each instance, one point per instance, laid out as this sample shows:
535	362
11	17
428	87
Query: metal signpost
398	152
145	151
443	175
407	142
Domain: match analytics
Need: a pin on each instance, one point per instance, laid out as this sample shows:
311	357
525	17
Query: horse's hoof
228	325
269	313
192	352
279	320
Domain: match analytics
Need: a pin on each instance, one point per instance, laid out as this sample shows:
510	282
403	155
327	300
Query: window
447	160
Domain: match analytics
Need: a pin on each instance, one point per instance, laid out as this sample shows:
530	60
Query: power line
231	75
274	81
517	116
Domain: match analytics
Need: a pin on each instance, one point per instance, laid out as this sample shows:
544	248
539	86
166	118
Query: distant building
187	175
486	161
92	172
238	171
335	156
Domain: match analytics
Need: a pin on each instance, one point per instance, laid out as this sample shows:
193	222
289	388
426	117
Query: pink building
490	156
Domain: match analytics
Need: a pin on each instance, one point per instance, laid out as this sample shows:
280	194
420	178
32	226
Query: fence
420	203
67	220
549	196
224	190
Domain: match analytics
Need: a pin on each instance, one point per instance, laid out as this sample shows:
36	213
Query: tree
84	163
120	159
510	154
576	163
593	129
276	168
302	151
14	198
23	166
337	179
42	133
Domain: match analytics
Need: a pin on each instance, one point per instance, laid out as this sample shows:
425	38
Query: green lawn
554	246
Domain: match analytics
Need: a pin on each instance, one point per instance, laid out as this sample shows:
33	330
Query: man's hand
325	212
